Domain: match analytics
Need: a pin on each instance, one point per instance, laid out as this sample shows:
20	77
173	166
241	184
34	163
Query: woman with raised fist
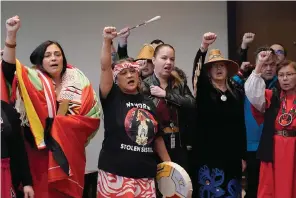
219	142
133	136
277	147
59	114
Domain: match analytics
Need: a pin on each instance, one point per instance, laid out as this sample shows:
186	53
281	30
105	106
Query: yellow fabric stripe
35	123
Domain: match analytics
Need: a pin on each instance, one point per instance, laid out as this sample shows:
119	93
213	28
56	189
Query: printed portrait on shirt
140	126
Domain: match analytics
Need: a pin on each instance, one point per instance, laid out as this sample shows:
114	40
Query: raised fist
248	38
109	33
245	66
13	24
124	33
208	39
263	56
142	64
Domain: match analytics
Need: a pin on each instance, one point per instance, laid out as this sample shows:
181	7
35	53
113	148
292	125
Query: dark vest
266	144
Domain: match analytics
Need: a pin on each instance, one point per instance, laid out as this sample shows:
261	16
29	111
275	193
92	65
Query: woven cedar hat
146	53
216	56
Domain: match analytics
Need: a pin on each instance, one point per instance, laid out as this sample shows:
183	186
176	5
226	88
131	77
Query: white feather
153	19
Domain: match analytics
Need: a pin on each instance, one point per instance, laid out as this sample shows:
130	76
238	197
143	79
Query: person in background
144	59
123	40
15	171
122	43
276	107
219	141
280	52
247	39
244	71
156	43
246	68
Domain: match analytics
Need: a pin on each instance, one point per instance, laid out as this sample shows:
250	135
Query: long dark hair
37	55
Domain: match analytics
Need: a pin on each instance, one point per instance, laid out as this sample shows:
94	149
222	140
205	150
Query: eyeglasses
288	75
279	52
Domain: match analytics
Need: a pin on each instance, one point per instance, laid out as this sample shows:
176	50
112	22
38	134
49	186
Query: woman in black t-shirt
127	162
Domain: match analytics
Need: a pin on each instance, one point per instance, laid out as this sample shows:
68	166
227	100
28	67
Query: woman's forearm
161	150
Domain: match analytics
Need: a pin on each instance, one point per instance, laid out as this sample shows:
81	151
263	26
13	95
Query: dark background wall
272	22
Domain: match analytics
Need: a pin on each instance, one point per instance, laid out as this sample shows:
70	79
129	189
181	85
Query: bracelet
10	45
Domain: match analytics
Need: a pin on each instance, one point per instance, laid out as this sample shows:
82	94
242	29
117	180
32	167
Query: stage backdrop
78	27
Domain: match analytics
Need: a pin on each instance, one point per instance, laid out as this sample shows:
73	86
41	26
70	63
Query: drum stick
145	23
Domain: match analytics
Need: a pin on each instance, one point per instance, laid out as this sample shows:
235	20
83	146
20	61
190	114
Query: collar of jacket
173	81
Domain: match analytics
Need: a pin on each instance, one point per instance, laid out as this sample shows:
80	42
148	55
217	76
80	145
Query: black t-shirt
130	130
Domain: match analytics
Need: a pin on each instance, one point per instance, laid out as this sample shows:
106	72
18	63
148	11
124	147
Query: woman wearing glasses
277	108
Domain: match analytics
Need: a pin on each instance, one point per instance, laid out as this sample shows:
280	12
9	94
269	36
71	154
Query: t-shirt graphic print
140	126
